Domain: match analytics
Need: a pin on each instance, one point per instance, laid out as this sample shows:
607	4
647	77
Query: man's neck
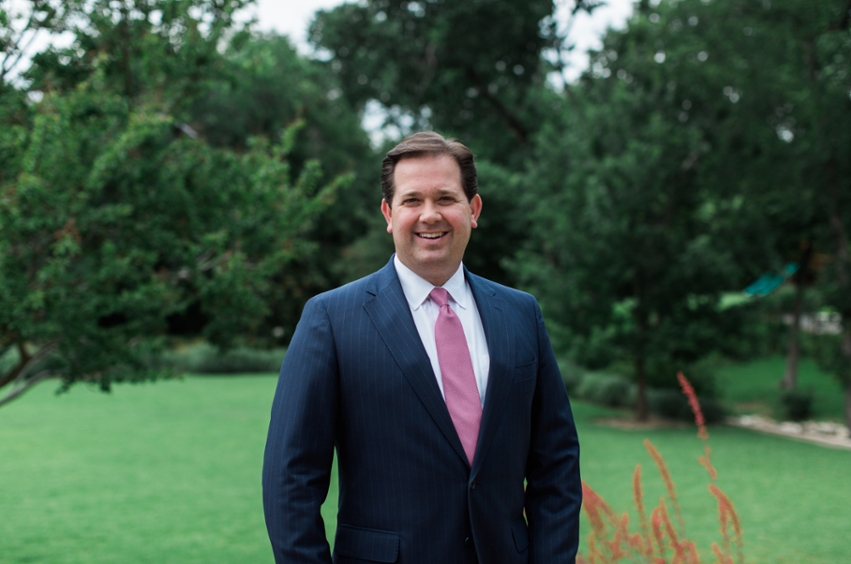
435	278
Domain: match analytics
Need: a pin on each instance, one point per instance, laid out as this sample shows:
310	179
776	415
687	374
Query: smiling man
438	390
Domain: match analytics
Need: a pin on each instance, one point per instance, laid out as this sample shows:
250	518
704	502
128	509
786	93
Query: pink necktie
459	380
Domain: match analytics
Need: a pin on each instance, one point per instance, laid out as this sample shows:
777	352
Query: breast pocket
526	371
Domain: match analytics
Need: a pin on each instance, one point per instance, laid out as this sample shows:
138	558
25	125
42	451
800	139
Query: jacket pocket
526	370
367	544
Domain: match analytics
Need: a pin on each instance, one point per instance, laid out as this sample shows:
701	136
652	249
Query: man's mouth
432	235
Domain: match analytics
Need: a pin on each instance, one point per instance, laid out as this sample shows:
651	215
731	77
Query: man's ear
476	207
388	213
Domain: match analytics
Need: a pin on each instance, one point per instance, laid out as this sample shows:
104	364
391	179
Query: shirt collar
417	289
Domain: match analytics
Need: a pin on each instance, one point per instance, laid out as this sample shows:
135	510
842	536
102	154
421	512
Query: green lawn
793	498
170	473
752	387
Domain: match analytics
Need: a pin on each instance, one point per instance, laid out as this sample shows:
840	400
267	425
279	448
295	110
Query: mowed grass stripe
170	472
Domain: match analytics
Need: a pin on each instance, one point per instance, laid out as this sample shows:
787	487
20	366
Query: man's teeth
432	235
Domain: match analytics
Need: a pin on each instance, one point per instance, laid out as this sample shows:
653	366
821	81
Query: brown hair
429	144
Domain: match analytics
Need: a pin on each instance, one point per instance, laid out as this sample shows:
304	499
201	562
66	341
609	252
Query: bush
671	404
797	404
203	358
662	371
610	390
571	374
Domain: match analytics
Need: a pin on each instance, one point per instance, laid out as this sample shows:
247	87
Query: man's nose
430	213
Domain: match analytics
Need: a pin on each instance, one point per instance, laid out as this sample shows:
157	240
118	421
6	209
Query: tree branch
513	122
17	392
26	363
15	47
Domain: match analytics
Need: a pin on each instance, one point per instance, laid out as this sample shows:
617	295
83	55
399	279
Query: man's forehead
427	167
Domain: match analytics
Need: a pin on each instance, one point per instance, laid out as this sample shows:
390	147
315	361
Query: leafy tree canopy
116	215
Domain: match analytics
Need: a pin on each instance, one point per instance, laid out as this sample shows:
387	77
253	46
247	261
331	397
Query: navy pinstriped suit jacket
356	377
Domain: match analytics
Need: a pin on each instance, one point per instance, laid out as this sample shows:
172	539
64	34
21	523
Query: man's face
430	217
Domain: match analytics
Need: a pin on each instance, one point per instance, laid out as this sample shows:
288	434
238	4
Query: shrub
203	358
571	374
660	538
606	389
797	404
671	404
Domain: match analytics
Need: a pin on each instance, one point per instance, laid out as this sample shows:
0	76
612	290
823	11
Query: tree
623	256
114	215
783	67
265	87
422	66
723	125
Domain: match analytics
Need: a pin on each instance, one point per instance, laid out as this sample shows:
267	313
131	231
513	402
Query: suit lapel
389	311
501	347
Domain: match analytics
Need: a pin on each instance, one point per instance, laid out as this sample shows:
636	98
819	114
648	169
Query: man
439	391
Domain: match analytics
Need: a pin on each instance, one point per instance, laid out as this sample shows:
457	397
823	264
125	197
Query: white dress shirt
425	313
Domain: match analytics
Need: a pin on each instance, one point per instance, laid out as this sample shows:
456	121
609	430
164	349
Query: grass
170	473
791	496
753	387
156	473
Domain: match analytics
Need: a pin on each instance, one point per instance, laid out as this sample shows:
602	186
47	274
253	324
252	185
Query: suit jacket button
473	485
467	541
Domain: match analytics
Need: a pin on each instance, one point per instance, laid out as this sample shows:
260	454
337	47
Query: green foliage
625	261
419	65
203	358
265	86
669	403
571	373
830	357
419	59
115	217
695	154
797	404
610	390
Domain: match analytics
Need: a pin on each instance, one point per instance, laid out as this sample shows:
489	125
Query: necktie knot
439	296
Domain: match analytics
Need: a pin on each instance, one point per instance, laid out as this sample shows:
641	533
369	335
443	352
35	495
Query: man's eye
409	201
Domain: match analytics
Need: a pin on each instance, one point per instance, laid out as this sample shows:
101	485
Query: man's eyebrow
419	193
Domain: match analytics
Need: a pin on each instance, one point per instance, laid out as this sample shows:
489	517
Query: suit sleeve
554	488
300	443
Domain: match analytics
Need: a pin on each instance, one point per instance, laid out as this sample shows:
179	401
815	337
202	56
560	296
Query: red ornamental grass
610	540
706	459
669	483
638	497
728	518
699	420
659	532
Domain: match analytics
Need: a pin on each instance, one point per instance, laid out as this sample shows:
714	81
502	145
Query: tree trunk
846	348
790	377
848	404
801	278
843	266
